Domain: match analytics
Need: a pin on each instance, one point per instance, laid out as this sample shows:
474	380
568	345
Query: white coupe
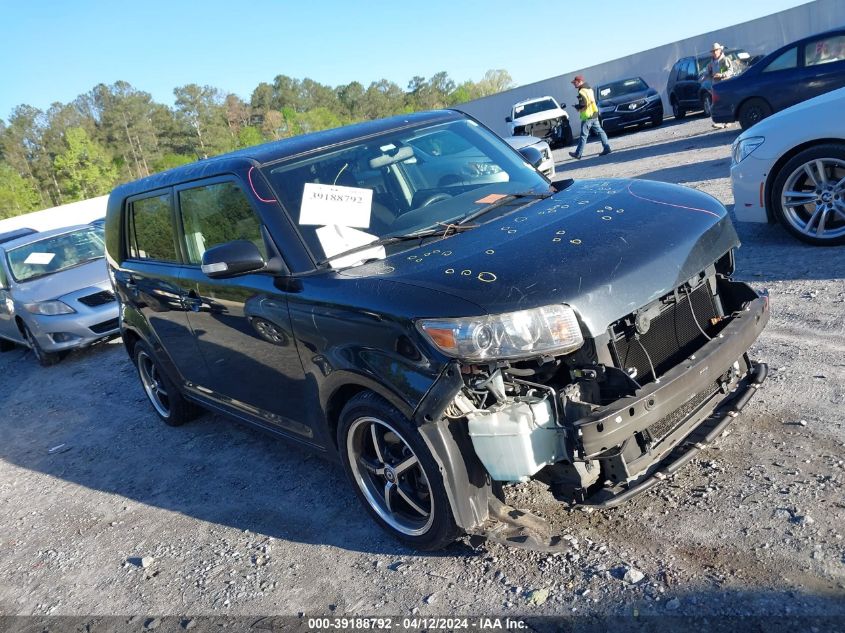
790	168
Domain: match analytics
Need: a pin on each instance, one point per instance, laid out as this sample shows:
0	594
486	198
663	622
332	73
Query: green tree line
117	133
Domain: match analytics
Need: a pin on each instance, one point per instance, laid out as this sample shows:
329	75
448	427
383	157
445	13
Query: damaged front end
600	422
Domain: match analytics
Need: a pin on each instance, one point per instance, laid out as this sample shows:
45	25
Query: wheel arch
779	164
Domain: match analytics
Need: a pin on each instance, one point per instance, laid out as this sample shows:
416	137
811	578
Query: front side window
215	214
55	254
151	234
787	59
398	183
824	51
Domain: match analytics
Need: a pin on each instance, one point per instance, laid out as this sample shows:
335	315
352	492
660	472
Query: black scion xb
439	323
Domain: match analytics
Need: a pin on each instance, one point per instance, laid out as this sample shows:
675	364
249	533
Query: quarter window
215	214
787	59
151	233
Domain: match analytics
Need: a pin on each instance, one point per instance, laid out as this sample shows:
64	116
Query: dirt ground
104	510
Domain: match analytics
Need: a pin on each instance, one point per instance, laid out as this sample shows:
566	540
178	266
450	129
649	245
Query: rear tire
167	401
753	111
707	104
677	111
45	359
394	474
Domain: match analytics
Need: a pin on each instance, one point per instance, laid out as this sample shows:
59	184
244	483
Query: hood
626	98
545	115
604	247
55	286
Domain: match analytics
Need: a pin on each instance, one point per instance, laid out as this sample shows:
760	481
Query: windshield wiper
508	198
441	229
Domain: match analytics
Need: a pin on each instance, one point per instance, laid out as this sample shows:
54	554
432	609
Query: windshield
398	183
621	88
527	109
55	254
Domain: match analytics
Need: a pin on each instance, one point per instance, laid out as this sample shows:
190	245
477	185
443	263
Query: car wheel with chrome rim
394	473
808	195
168	402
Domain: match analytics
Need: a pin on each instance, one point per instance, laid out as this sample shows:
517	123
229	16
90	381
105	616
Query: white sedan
547	166
790	168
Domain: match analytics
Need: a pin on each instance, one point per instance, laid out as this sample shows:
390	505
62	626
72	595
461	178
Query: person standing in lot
718	68
589	112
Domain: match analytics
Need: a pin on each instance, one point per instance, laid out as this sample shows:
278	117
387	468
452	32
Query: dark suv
689	91
438	338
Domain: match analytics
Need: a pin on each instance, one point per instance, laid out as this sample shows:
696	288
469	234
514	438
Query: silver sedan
55	294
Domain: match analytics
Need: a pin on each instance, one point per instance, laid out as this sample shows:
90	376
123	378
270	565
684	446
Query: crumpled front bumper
612	425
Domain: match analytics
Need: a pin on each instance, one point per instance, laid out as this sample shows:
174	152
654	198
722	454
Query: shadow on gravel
769	253
105	437
695	172
621	155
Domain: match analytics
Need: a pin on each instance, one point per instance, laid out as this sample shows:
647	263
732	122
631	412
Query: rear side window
217	213
787	59
151	234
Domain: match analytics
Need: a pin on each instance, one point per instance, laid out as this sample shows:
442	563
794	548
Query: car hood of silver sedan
55	286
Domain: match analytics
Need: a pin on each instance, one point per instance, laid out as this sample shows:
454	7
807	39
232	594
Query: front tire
45	359
394	474
167	401
808	195
753	111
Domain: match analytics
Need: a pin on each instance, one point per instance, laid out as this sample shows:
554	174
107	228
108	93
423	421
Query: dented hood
604	247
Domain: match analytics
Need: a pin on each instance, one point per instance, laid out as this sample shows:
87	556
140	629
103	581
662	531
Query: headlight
545	330
743	147
607	109
49	308
652	98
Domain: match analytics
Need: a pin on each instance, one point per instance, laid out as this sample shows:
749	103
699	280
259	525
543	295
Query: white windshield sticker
333	204
604	92
335	239
40	259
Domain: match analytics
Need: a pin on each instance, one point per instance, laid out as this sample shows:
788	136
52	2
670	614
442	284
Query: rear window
151	233
215	214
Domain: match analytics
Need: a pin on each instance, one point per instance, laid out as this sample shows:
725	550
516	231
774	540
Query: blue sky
54	51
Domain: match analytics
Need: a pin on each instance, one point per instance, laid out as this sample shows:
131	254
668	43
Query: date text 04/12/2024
416	623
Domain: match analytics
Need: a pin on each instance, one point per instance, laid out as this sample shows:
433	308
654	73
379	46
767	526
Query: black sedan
794	73
627	103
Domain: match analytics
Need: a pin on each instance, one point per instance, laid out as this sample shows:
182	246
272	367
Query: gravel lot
127	516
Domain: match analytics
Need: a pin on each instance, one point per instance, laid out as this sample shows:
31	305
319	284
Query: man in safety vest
589	112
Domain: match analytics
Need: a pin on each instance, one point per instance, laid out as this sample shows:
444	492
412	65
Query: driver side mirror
508	119
238	257
532	155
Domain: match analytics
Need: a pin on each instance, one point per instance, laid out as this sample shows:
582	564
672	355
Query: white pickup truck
542	117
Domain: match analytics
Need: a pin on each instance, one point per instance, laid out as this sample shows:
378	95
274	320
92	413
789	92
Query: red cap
578	78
